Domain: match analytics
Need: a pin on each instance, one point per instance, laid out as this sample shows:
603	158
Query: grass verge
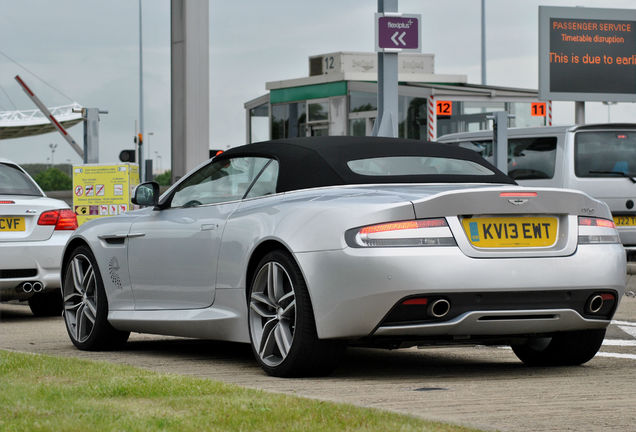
43	393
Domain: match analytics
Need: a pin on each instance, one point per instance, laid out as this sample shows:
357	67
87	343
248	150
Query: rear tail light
598	222
64	220
7	202
589	232
420	232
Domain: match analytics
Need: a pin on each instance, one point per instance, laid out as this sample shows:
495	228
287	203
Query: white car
33	232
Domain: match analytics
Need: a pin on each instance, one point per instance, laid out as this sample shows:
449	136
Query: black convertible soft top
322	161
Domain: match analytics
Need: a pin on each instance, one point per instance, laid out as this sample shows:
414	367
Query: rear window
605	153
416	165
14	182
528	158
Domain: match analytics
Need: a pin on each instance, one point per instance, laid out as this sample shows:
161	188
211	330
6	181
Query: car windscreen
14	182
416	165
605	153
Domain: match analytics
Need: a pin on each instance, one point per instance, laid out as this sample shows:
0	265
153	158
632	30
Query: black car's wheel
46	304
563	349
281	321
85	304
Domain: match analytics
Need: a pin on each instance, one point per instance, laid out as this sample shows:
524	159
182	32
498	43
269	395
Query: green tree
53	180
164	178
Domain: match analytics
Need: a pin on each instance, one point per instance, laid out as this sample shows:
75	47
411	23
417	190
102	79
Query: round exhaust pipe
27	287
595	303
37	287
439	308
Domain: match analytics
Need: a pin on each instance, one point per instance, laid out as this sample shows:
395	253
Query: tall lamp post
52	146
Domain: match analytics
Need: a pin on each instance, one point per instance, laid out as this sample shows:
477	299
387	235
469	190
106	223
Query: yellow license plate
517	232
11	223
625	220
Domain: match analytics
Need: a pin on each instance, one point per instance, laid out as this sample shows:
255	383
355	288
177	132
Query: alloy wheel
272	313
80	298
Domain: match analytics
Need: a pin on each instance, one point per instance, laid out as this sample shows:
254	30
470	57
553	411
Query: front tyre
86	306
563	349
281	322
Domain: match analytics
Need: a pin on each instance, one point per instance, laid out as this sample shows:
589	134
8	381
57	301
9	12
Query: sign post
394	33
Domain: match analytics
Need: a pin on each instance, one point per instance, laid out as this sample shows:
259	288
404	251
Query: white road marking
616	355
629	330
624	323
619	342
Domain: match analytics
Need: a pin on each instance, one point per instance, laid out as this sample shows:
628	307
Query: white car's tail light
63	220
594	230
420	232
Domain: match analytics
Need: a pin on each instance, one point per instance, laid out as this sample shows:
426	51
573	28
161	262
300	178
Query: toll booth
339	97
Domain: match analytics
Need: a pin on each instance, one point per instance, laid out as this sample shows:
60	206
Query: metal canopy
18	124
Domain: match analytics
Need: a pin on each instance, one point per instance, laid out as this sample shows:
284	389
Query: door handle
209	227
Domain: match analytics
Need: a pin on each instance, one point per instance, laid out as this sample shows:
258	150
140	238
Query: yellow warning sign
103	190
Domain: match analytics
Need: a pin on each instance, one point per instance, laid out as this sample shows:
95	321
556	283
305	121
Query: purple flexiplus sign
397	32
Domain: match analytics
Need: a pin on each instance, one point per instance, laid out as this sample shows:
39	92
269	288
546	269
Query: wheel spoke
79	322
90	305
70	307
279	280
88	313
89	277
261	298
268	342
283	338
77	274
290	310
70	296
271	282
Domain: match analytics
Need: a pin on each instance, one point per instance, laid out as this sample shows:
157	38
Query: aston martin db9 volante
33	232
301	247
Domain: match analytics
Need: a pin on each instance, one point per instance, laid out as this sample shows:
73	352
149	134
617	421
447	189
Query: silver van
599	159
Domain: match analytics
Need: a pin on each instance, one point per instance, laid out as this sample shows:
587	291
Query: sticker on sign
396	32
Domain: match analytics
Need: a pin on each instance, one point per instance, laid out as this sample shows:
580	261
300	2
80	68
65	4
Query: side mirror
146	194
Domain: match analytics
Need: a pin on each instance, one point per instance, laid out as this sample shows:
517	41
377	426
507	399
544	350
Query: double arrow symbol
395	38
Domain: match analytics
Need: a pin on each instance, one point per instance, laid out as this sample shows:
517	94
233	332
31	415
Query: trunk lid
511	220
19	217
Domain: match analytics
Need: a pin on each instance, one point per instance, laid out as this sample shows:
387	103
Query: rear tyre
281	322
46	304
563	349
86	305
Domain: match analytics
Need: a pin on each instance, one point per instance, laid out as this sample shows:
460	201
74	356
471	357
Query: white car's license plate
11	223
505	232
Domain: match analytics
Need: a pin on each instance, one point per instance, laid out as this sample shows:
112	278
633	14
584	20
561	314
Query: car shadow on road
361	363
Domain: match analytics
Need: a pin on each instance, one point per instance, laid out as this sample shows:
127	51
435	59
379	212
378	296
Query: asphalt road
481	387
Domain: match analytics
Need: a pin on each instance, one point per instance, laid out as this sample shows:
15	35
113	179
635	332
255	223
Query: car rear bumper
353	290
628	236
35	261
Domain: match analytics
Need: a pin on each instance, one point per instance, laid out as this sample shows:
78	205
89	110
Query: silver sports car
301	247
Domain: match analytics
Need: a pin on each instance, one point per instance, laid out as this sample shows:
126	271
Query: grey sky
89	50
